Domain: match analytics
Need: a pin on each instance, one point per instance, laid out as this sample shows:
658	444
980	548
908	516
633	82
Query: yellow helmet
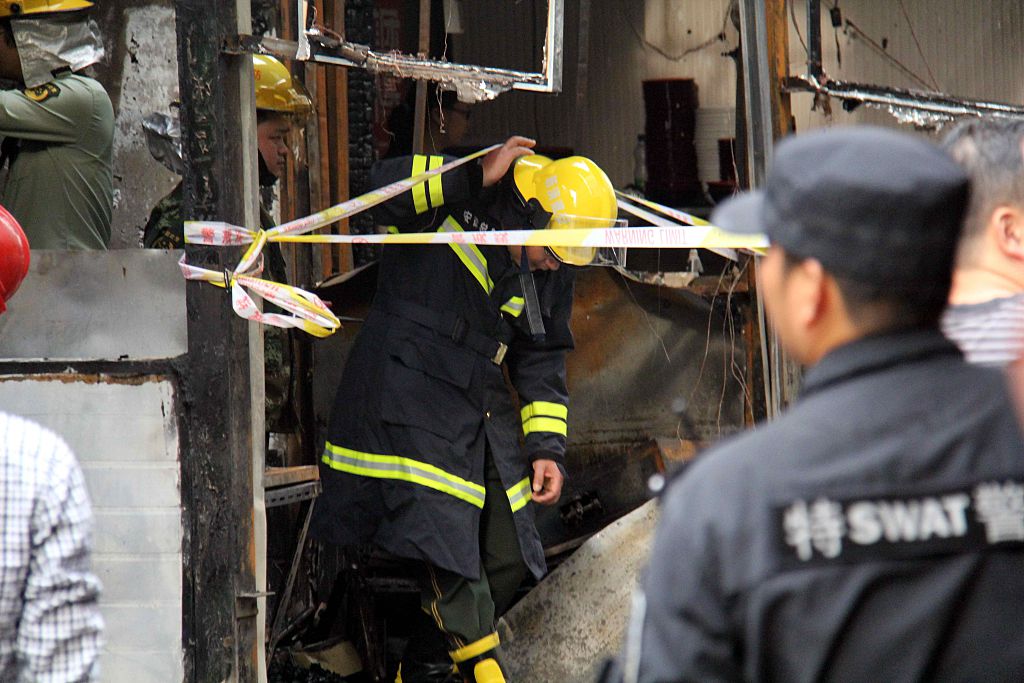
275	89
17	8
575	190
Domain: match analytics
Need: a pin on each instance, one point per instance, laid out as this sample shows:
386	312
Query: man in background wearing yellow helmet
57	125
423	455
282	107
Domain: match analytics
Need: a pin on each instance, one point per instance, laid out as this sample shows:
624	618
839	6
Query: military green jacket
60	185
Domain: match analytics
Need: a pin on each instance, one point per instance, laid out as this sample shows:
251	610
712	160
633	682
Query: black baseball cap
870	204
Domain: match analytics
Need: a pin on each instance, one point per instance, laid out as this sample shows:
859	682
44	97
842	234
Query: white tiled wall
126	440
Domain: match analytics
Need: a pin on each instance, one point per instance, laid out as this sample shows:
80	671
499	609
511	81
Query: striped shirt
990	333
50	624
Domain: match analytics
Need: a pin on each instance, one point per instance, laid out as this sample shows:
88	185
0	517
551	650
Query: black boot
426	659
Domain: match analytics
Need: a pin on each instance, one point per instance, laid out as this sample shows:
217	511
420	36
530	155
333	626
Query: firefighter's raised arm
414	211
496	163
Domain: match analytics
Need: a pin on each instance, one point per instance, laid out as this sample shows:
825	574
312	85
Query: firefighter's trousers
464	609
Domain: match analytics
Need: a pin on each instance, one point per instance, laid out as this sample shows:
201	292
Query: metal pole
222	375
757	85
814	38
758	116
767	113
420	122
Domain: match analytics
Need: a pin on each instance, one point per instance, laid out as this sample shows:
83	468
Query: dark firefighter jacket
422	398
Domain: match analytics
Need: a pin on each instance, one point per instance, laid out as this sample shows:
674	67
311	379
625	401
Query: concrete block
138	532
152	627
137	666
144	579
141	487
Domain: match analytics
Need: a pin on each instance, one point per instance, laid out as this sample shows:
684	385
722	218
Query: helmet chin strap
532	305
539	217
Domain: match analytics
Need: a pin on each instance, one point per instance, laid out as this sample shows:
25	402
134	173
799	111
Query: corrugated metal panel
971	48
125	437
713	123
605	122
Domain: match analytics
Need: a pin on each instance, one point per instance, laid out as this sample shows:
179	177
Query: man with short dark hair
986	313
875	531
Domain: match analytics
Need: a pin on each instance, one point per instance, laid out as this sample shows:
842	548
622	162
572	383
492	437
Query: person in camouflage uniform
281	104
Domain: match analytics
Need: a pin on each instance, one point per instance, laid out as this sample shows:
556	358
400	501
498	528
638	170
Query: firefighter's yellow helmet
275	89
18	8
575	190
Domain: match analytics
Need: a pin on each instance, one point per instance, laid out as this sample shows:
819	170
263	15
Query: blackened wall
359	28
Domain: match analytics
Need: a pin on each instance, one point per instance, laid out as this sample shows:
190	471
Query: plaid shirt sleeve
60	628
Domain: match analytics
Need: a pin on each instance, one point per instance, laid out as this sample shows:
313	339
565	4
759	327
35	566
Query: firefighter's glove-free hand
496	163
547	482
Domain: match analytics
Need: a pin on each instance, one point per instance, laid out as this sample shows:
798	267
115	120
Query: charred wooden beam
223	428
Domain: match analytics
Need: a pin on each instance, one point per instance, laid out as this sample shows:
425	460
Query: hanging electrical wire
855	31
719	37
884	54
913	34
796	26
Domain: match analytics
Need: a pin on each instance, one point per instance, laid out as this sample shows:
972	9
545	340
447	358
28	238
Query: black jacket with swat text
875	532
423	395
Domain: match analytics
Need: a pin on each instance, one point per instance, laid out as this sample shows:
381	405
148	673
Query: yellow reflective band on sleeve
476	648
545	424
514	306
544	416
419	191
470	255
403	469
520	494
436	190
544	409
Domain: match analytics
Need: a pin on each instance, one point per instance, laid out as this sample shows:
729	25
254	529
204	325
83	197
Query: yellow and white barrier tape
664	222
227	235
672	236
680	216
309	313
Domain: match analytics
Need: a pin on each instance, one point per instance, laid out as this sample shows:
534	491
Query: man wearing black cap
876	530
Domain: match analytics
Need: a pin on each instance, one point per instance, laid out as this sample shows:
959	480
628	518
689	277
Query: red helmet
14	256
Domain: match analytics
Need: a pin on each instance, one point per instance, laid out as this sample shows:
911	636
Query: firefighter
423	454
282	108
57	125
